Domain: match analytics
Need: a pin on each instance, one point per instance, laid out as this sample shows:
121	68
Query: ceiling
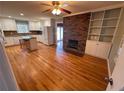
33	9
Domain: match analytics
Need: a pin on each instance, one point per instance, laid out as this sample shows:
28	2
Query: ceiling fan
56	8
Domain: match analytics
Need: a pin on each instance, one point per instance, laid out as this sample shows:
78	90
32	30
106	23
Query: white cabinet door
31	26
91	47
16	40
39	37
103	49
35	37
34	25
9	41
9	24
37	26
0	25
98	49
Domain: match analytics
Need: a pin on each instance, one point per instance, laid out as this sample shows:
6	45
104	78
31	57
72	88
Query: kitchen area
27	33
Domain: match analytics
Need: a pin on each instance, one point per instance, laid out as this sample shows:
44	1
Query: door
118	74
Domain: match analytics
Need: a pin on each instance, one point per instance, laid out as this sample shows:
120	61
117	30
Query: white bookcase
102	28
103	25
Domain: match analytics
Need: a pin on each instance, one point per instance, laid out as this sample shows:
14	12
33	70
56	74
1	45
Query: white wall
116	42
7	79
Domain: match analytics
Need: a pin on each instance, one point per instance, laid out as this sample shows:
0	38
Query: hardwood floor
50	68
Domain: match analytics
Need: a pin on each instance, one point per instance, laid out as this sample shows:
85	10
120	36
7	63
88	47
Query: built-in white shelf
106	35
108	26
114	18
96	27
94	34
103	25
96	20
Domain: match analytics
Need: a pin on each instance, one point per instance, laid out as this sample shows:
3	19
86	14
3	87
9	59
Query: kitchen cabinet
98	49
0	25
40	38
36	36
9	41
34	25
16	40
8	24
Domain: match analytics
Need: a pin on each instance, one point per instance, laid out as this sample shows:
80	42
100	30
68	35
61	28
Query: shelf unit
103	25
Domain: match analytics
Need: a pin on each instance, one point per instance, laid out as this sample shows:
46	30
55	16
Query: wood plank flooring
50	68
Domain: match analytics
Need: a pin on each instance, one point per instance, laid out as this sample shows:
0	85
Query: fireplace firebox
73	44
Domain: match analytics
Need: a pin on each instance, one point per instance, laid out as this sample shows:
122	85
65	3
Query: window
22	26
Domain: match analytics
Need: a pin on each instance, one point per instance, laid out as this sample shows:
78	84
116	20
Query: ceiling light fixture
56	11
9	16
21	14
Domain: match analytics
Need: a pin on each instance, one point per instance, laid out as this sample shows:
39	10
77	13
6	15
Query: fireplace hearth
73	44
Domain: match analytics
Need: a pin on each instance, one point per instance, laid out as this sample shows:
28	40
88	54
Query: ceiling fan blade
66	11
46	10
55	3
45	4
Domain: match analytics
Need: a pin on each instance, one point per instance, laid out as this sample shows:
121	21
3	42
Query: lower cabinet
37	37
98	49
9	41
16	40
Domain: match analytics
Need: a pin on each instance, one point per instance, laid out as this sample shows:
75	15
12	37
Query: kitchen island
28	42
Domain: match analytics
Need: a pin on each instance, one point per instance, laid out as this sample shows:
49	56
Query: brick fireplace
73	44
75	33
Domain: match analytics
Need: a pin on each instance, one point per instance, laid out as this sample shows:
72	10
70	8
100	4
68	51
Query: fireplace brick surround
76	28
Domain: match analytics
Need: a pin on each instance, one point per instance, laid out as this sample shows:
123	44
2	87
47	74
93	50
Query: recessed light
9	16
21	14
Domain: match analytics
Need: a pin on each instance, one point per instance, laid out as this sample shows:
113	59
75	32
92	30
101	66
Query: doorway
59	35
59	32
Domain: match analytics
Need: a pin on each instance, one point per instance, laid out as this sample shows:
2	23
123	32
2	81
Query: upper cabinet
8	24
34	25
47	22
